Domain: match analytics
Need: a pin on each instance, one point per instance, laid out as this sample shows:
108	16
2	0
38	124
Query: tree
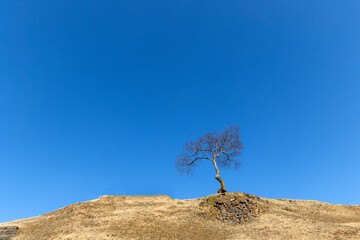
222	149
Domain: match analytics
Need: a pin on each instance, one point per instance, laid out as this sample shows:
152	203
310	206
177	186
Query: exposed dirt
161	217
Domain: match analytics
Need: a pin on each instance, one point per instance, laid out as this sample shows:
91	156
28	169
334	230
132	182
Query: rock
237	208
7	233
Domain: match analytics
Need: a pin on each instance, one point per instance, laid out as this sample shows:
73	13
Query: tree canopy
222	149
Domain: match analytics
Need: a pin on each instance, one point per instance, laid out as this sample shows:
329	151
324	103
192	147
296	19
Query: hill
161	217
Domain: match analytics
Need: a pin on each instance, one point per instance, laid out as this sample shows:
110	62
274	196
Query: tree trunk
222	189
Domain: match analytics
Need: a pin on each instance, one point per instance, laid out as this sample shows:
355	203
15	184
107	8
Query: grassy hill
161	217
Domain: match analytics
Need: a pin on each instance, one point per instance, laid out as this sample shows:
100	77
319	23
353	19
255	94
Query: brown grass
161	217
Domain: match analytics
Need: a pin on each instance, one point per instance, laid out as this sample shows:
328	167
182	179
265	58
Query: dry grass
160	217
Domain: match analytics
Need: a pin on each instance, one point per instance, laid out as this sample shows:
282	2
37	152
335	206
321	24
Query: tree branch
192	162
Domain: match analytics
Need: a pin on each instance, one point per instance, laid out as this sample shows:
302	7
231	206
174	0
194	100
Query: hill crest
161	217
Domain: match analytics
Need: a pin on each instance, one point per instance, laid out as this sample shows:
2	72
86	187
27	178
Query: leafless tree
221	149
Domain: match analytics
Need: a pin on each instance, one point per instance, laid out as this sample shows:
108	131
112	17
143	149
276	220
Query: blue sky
98	98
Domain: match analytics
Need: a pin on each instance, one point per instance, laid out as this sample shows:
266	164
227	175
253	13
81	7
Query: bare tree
221	149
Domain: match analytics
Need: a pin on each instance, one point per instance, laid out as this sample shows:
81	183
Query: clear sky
98	98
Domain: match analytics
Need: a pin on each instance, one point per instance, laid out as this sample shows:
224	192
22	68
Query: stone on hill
235	208
7	233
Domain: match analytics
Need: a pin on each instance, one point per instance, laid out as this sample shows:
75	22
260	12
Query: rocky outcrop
235	208
7	233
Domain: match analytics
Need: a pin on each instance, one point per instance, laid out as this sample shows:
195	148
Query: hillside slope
161	217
